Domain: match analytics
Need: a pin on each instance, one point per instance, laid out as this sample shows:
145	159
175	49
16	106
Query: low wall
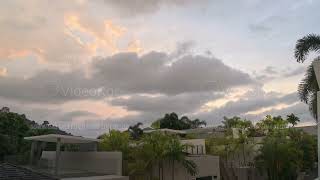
97	162
208	166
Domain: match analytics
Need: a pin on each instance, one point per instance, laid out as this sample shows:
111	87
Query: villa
86	163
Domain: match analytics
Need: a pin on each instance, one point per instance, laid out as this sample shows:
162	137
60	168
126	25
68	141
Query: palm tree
293	119
175	154
308	87
135	131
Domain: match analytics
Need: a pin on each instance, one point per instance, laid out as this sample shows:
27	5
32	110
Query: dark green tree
135	131
172	121
293	119
279	157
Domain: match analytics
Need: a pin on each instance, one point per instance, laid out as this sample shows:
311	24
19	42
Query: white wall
97	162
207	166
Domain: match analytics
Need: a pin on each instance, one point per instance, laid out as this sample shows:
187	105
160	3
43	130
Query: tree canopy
172	121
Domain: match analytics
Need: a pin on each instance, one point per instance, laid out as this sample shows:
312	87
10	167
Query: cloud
295	72
161	104
66	33
270	70
254	101
138	7
3	71
127	73
151	73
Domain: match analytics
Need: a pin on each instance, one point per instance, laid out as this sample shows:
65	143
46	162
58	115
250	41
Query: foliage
172	121
293	119
243	142
270	124
14	127
135	131
285	151
156	124
306	44
308	87
279	157
157	148
175	154
308	145
116	141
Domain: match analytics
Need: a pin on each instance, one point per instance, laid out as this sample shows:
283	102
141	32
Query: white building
69	165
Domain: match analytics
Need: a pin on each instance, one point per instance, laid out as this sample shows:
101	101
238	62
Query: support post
95	146
33	147
316	67
318	127
57	161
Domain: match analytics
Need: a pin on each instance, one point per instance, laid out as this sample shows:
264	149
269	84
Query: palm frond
308	89
308	43
190	166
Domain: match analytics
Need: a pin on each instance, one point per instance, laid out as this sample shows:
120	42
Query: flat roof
63	139
166	130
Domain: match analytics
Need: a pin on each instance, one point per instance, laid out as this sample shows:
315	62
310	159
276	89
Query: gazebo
59	140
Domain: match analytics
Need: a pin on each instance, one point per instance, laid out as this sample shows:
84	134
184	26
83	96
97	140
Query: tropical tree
153	151
285	151
307	144
116	141
270	124
293	119
156	149
279	157
172	121
135	131
197	123
242	142
175	154
308	87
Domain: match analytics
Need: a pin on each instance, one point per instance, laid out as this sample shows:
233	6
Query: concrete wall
97	162
316	67
109	177
207	166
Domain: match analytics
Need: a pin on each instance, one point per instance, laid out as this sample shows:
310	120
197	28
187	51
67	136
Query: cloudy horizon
87	66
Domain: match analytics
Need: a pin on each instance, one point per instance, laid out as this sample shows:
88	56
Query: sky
90	66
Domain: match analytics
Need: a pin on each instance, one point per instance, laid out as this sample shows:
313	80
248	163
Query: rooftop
63	139
12	172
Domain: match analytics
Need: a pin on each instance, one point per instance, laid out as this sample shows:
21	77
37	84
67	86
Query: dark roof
12	172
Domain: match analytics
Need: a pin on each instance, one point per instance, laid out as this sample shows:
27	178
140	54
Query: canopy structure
58	139
65	139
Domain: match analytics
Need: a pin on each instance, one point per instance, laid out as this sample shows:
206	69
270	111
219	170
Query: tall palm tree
308	87
175	154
